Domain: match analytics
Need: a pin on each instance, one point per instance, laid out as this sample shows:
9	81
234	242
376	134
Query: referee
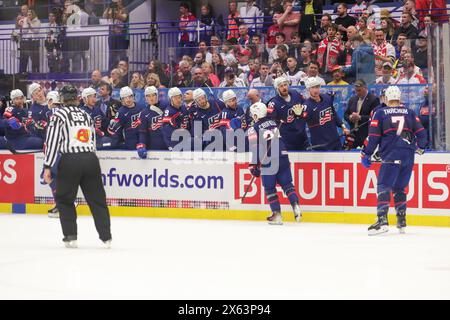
71	134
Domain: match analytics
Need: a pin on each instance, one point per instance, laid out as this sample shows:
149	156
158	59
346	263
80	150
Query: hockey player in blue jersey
281	108
206	117
398	133
14	121
265	131
150	129
322	119
176	117
37	115
233	118
126	123
89	96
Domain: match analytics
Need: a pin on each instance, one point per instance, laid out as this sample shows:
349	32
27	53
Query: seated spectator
282	57
123	66
406	61
209	73
183	76
411	76
289	20
294	47
294	74
352	31
253	72
363	29
155	66
218	66
116	79
363	61
153	80
243	58
386	76
337	78
305	59
244	38
203	48
231	80
359	109
343	21
96	78
310	15
322	31
228	53
257	48
272	32
313	71
402	42
199	79
410	73
137	81
264	79
198	61
384	51
215	44
421	52
387	24
280	41
406	27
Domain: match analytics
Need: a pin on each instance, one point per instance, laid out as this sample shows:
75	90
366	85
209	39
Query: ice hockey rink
201	259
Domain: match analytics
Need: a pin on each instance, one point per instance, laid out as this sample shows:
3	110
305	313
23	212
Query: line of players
127	125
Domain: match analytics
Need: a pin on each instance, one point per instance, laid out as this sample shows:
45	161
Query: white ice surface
199	259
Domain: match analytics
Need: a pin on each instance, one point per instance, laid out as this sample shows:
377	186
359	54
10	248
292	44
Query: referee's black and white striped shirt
70	130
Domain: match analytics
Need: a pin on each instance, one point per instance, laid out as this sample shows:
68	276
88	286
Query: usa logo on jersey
325	116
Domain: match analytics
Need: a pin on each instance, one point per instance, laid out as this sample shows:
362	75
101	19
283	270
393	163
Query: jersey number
401	123
78	116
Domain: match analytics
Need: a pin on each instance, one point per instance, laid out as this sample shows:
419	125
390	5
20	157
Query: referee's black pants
81	169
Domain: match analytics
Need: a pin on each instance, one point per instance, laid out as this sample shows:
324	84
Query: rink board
333	187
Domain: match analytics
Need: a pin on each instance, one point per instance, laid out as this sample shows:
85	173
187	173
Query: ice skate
53	212
107	244
379	227
275	218
401	223
70	242
297	212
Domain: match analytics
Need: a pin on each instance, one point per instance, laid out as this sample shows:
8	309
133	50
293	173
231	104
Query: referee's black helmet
68	93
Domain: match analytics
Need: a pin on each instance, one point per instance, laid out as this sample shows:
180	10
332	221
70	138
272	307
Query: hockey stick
339	138
264	158
14	151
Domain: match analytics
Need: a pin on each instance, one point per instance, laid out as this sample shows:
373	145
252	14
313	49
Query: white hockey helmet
17	93
125	92
312	82
198	93
88	92
33	87
278	81
173	92
393	93
228	95
151	90
54	96
259	109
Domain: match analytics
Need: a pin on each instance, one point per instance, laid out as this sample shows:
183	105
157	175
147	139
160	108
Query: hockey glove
255	170
14	123
365	161
142	151
349	142
298	109
420	151
235	123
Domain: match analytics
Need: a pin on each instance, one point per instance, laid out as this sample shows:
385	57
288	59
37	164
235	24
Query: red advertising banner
16	178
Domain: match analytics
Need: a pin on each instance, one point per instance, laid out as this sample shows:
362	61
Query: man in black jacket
358	112
309	22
